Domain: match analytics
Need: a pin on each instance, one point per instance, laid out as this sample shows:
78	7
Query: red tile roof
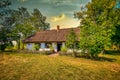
50	36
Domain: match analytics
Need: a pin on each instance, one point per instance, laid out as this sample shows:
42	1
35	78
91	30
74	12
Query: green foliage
5	23
9	46
112	52
97	26
2	47
51	48
19	24
116	22
63	49
38	20
28	23
37	46
71	41
94	39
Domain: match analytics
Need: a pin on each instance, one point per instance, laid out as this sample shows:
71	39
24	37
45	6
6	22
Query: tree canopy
27	23
19	23
99	24
5	23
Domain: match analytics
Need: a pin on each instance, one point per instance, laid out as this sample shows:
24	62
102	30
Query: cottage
56	38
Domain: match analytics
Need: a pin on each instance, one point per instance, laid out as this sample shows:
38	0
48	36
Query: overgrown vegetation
100	24
63	49
71	41
40	67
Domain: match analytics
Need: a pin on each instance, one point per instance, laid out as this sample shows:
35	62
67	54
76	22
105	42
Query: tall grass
42	67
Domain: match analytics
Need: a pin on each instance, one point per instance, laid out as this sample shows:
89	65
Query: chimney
58	27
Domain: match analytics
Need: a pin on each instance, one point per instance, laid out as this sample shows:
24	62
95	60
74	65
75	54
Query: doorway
59	45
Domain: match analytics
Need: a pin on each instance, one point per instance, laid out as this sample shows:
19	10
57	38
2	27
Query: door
59	45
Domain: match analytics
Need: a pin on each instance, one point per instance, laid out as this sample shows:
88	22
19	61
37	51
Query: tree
39	21
71	41
19	24
22	23
27	24
5	23
116	21
97	26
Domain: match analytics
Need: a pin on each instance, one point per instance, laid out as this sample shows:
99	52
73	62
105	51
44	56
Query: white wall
29	46
54	46
63	44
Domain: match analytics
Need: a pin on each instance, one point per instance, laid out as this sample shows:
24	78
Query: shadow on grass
102	59
106	59
97	58
112	52
87	56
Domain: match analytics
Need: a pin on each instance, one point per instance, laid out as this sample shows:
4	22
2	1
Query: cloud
66	23
58	18
58	2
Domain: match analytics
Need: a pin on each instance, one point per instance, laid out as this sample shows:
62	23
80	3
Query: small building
56	38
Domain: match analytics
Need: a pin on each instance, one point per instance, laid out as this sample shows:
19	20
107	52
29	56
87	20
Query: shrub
51	48
63	49
37	46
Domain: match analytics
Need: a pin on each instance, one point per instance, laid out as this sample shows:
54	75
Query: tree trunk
118	46
23	46
74	51
18	44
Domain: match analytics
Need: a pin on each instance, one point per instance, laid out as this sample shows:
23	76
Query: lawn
14	66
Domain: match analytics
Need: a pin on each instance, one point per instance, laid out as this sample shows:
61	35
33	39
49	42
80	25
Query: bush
37	46
51	48
2	47
63	49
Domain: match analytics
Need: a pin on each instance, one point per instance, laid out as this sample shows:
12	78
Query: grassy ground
40	67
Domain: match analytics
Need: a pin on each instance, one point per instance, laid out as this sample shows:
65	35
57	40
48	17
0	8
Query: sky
58	12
